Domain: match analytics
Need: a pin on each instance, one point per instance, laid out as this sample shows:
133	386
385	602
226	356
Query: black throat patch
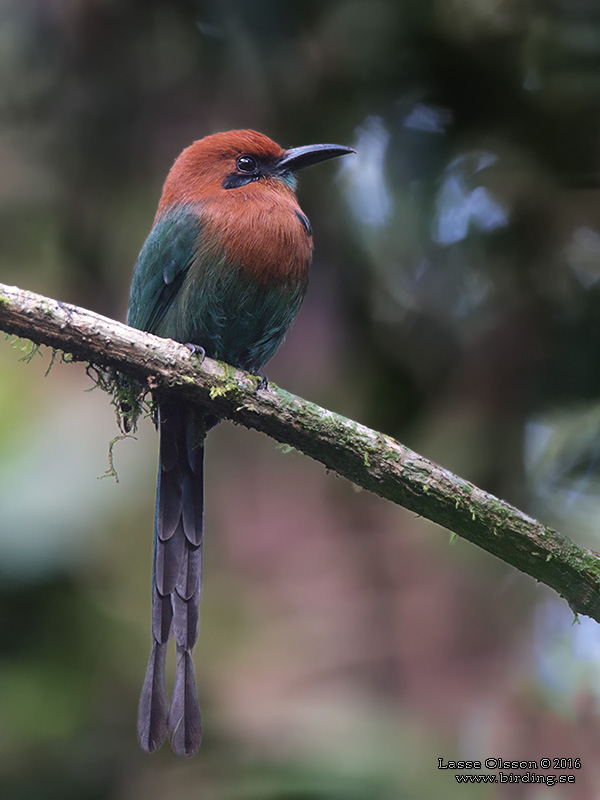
235	180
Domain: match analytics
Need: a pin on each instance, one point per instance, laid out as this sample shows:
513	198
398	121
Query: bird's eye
247	164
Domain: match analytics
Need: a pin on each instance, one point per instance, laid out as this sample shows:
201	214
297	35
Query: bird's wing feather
162	266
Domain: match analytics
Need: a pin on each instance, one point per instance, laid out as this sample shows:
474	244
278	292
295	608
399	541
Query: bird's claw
196	350
263	382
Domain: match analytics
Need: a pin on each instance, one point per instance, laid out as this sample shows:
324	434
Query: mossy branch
368	458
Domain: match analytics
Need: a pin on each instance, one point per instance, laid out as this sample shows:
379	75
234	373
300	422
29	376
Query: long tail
176	583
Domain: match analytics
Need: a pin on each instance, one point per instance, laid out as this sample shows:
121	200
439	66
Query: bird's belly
234	317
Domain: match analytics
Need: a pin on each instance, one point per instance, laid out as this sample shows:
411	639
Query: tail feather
169	498
169	560
152	711
170	491
170	445
184	722
190	575
186	621
192	506
162	617
177	582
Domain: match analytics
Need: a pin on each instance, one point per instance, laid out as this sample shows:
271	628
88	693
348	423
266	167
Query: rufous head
238	160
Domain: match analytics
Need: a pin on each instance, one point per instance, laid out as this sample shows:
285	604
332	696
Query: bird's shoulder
163	262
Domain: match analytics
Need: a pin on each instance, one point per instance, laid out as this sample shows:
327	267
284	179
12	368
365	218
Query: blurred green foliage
454	303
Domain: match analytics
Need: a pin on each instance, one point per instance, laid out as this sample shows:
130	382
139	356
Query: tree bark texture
369	459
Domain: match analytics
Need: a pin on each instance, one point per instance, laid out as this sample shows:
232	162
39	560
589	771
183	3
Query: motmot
224	270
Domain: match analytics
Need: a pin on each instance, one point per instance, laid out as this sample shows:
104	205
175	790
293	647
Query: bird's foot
263	382
196	350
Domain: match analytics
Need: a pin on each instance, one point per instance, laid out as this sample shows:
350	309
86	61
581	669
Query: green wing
161	268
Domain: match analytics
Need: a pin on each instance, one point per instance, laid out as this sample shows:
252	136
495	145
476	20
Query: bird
224	271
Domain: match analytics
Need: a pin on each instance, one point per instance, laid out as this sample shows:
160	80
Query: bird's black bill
300	157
